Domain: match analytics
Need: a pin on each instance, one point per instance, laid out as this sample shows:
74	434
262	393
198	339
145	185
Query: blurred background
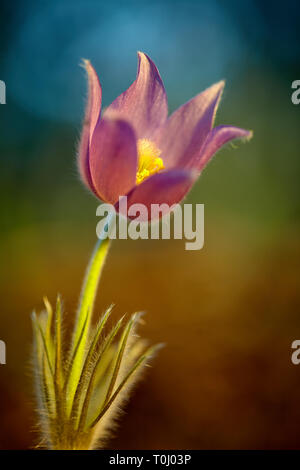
229	312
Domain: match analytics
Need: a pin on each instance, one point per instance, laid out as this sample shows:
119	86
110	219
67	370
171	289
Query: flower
136	150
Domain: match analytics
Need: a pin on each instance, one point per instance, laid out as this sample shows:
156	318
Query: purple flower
136	150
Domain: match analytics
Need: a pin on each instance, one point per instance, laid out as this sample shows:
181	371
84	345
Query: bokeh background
229	312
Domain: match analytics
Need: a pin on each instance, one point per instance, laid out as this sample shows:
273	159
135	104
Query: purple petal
217	137
92	115
168	187
113	159
144	104
187	128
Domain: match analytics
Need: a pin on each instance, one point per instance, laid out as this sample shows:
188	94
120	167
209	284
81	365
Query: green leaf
58	358
46	349
149	353
49	318
120	354
107	342
87	363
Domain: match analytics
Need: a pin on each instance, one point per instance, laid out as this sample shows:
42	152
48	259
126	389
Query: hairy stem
84	313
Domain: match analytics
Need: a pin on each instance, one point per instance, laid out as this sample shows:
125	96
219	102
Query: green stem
89	289
84	314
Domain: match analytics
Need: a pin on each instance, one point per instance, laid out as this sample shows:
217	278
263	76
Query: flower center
149	161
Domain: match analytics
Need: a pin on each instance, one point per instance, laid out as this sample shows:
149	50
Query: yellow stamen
149	161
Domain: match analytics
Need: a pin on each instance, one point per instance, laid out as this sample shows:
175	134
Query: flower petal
187	128
168	187
113	159
92	115
217	137
144	104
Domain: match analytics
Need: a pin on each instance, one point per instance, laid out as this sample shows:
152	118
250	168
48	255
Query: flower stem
84	313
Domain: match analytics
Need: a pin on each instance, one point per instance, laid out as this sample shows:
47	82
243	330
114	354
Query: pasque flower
135	149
